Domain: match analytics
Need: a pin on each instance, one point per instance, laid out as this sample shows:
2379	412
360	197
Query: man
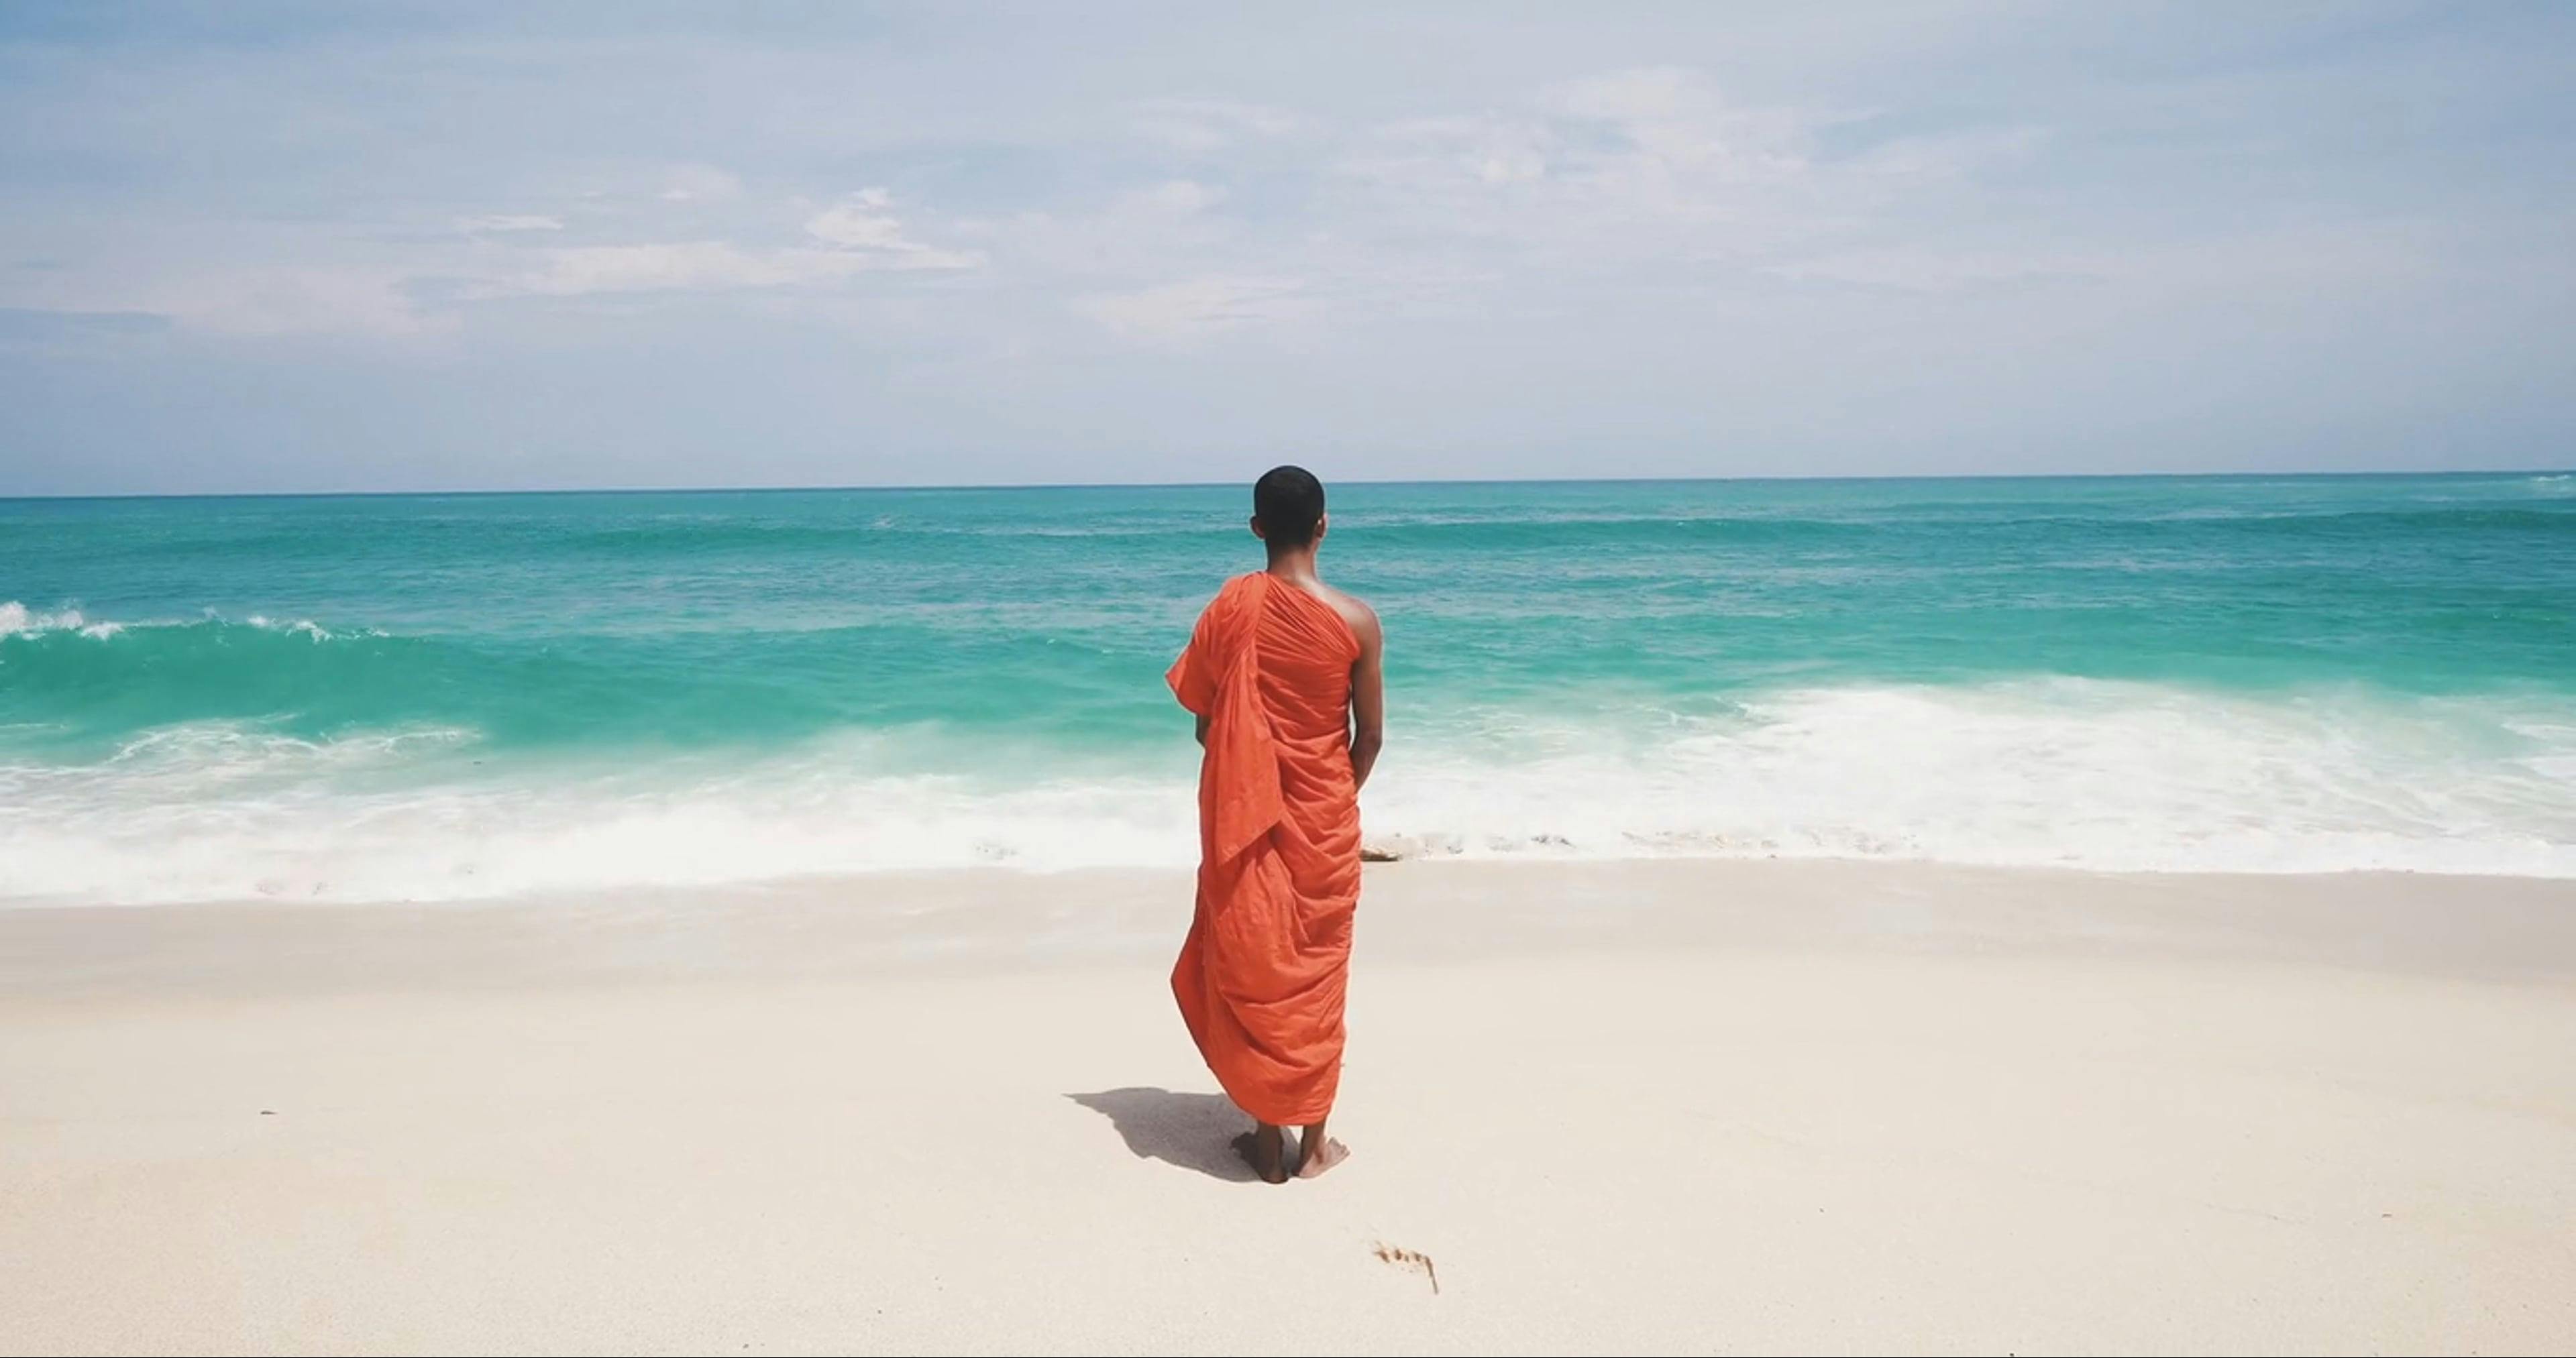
1283	674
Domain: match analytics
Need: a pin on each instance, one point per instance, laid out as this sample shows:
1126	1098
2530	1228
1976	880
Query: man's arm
1368	699
1203	725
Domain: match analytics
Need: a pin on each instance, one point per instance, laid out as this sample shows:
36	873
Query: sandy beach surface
1696	1107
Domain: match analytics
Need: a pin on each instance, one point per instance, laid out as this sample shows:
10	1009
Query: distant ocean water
442	697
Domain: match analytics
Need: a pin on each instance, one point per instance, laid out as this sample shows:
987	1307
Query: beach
810	678
1664	1106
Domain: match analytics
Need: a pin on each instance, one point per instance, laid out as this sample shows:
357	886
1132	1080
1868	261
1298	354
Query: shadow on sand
1193	1131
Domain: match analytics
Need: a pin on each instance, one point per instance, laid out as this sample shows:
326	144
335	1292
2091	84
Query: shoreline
989	919
1665	1106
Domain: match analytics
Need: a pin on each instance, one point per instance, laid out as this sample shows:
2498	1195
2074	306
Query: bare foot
1262	1151
1324	1157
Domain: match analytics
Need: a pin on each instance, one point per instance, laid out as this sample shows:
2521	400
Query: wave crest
16	619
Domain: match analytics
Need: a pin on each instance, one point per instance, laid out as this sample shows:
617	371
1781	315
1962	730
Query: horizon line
845	487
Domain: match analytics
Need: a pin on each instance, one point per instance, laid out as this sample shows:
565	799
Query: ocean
444	697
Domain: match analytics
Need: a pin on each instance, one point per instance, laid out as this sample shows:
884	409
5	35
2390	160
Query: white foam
300	626
16	619
2065	773
2071	773
216	811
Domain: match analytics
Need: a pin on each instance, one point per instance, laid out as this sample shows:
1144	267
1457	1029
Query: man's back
1282	673
1313	658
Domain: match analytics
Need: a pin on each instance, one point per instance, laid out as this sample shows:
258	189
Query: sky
252	247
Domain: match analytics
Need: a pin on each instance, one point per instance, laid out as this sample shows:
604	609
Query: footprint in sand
1411	1259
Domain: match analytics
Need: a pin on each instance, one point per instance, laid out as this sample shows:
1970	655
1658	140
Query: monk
1283	672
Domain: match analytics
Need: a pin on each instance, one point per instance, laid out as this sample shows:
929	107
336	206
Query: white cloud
1177	197
1197	308
1953	154
268	300
405	286
1924	270
709	266
1140	234
1645	94
861	222
213	278
299	300
1511	165
509	222
1654	169
1435	153
1655	143
695	183
1205	125
1675	119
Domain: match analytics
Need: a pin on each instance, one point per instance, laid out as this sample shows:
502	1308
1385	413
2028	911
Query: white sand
1701	1107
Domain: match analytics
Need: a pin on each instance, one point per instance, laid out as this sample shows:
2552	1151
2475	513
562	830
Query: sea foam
2061	773
16	619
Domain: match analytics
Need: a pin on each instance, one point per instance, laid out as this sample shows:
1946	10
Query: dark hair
1289	502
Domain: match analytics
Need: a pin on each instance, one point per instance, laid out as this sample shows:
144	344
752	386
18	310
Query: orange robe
1262	975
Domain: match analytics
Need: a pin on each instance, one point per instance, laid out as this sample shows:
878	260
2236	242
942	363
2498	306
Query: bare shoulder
1361	617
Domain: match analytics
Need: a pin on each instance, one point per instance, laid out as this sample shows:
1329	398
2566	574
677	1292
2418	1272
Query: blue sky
253	247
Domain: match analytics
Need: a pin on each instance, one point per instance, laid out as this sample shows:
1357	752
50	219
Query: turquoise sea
457	696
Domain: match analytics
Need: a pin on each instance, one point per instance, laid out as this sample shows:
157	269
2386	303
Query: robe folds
1262	976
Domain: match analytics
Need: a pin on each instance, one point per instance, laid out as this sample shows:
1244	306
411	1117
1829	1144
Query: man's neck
1295	565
